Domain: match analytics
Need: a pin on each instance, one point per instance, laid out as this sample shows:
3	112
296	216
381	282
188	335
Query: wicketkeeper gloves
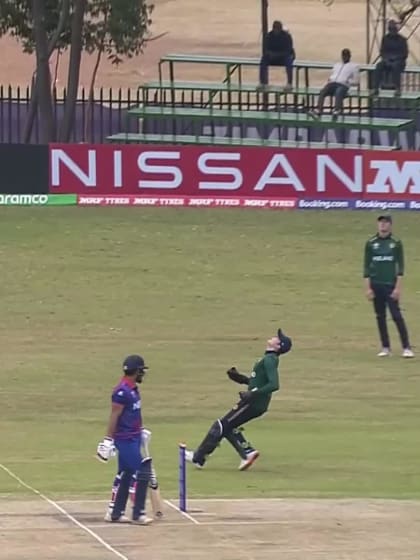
237	377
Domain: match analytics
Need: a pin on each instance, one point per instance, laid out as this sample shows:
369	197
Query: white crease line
185	514
245	500
161	522
261	522
93	501
65	513
248	500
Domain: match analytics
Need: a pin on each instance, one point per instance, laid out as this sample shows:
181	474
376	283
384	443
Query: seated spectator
278	51
344	75
394	53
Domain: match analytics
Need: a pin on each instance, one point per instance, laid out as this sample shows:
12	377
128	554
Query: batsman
124	437
254	402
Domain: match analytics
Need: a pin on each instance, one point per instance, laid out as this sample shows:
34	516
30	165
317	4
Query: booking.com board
193	176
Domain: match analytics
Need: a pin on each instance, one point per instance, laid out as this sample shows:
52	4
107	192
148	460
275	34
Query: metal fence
94	121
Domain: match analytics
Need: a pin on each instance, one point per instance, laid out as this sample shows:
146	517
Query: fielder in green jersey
254	402
383	270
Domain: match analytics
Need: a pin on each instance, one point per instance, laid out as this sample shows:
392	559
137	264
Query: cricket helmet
285	342
133	364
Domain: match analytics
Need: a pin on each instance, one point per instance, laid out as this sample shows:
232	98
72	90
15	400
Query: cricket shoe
407	353
384	353
251	457
189	456
121	519
142	520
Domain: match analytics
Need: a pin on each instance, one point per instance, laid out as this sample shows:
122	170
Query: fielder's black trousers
223	428
381	302
238	416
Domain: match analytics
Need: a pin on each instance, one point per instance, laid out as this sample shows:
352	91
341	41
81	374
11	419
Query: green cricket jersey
264	378
384	259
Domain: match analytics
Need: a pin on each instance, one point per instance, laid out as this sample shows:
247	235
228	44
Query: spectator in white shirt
344	75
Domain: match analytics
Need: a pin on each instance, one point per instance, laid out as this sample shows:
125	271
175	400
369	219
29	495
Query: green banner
38	199
62	199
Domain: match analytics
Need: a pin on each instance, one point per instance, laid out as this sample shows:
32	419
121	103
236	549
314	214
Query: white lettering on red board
225	171
390	178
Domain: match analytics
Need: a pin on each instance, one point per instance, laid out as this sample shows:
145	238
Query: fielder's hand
234	375
105	449
369	294
396	294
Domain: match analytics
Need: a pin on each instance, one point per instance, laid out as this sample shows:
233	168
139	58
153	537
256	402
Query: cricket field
195	292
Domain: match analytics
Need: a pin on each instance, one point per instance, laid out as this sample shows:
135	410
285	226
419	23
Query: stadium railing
234	65
248	96
184	139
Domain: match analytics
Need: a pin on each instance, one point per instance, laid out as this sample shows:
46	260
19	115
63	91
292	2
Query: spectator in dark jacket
394	53
278	51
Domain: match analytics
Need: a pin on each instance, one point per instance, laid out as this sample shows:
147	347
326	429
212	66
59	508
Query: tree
116	28
43	77
76	46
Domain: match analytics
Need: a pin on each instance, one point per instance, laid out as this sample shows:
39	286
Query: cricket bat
155	497
154	490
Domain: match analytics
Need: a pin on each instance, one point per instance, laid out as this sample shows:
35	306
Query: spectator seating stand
212	113
181	119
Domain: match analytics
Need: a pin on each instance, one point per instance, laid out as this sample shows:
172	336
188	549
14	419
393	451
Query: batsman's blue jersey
129	423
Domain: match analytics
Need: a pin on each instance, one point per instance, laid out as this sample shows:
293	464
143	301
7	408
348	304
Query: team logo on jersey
136	405
375	246
392	245
253	374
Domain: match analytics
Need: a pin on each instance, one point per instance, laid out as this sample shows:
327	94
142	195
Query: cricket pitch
290	529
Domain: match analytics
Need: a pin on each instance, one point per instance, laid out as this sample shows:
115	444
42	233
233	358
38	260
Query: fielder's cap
385	218
285	342
134	363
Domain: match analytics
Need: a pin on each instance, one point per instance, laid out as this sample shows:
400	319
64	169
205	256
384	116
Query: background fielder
383	272
254	402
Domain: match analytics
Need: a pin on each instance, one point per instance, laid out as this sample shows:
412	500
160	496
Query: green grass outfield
197	291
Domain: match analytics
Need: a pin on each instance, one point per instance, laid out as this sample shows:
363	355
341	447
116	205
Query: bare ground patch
214	28
290	529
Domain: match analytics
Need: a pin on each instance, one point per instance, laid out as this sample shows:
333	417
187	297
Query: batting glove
146	436
105	449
